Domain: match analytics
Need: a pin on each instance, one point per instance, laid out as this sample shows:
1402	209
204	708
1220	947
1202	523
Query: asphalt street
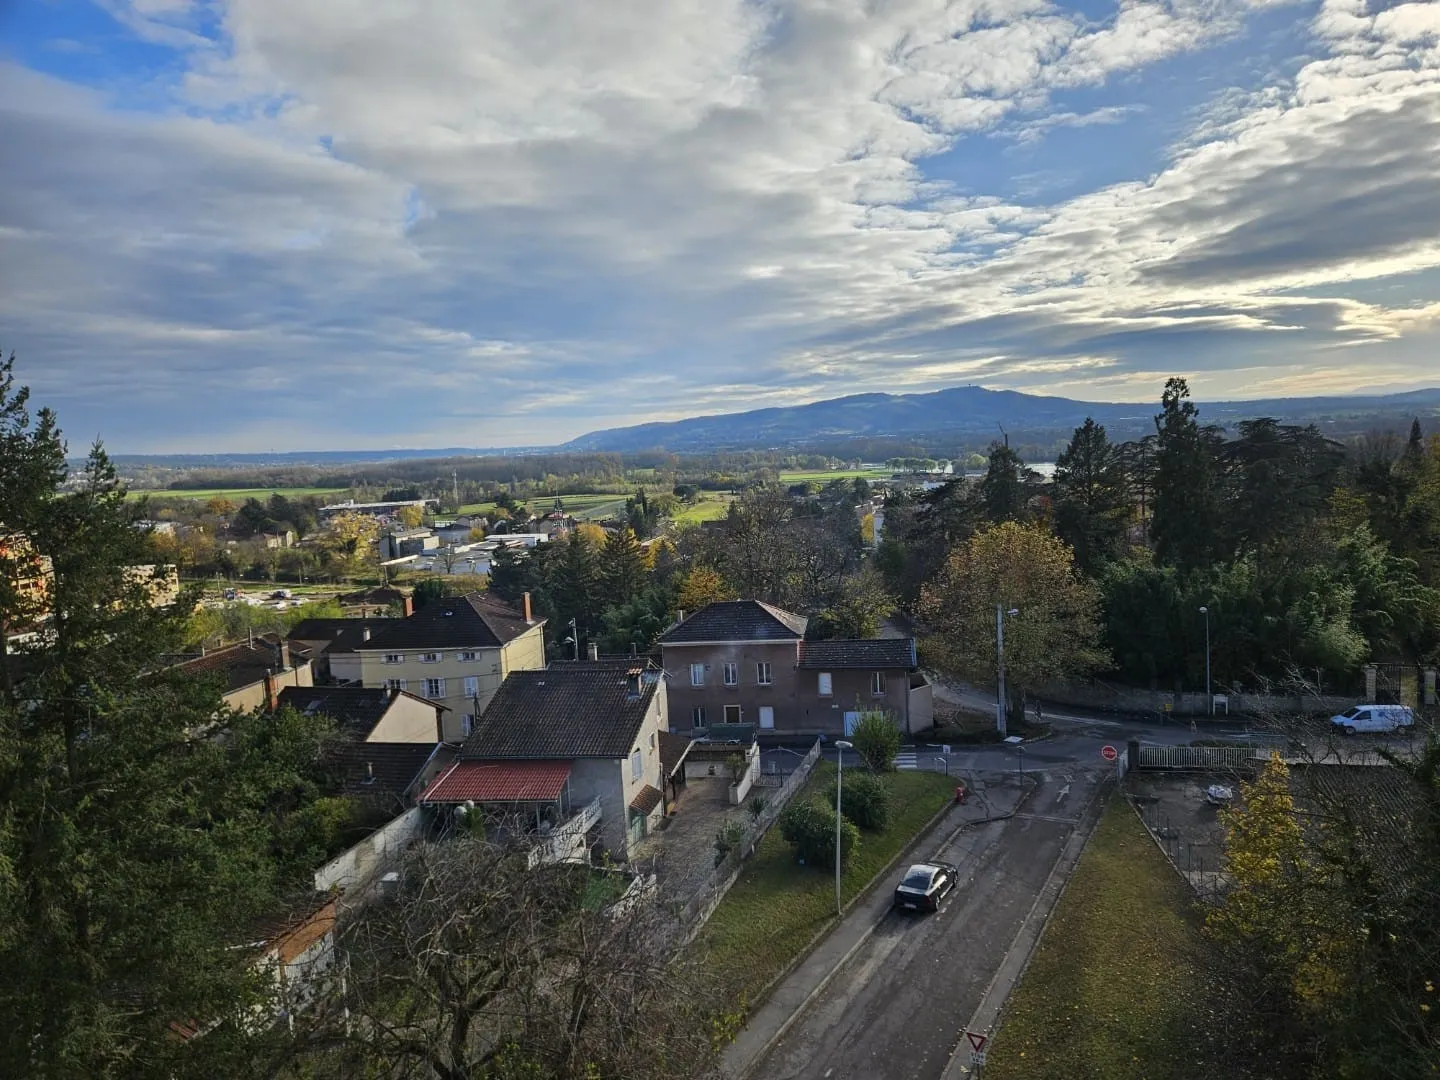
899	1006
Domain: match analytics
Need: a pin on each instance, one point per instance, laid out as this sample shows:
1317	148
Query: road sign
977	1041
1109	753
977	1057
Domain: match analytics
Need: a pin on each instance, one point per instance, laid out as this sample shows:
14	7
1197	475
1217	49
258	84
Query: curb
954	1070
823	933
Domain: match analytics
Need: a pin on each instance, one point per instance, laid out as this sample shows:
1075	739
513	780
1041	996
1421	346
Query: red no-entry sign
1109	753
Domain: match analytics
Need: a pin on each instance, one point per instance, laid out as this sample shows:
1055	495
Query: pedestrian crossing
907	759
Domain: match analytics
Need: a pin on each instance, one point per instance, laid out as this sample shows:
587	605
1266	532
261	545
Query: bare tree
483	967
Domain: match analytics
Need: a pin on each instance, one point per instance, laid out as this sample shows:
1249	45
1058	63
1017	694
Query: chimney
593	650
284	649
632	684
407	606
272	690
679	616
525	606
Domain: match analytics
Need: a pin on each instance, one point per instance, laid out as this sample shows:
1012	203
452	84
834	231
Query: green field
776	907
235	495
824	476
1122	985
704	510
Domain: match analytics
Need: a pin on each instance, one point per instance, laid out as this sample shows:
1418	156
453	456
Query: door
851	719
767	716
1366	720
732	714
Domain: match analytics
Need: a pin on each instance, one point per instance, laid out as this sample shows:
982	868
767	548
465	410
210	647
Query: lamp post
1000	614
840	747
1209	697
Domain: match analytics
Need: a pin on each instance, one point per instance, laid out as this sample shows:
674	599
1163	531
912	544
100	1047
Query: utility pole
840	747
1000	614
455	482
1209	697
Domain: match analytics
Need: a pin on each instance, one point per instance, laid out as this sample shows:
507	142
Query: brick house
745	661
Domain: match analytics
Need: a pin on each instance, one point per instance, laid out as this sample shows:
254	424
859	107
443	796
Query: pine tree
1188	520
1005	488
1091	508
622	567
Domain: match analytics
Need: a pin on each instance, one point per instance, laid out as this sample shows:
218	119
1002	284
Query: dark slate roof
569	712
242	664
356	709
476	620
343	635
378	770
737	620
872	653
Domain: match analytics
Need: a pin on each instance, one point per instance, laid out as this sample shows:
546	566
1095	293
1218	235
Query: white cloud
555	208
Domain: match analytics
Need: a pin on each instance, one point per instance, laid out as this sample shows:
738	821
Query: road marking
1048	817
1060	795
906	759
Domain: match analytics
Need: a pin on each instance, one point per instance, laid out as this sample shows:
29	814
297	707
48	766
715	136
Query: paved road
898	1008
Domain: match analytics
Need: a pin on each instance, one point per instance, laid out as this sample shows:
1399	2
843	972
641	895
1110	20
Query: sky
253	225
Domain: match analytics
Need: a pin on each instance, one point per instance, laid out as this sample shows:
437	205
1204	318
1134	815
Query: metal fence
1196	757
691	915
1201	864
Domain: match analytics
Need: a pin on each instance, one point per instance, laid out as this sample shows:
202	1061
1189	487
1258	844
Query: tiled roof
872	653
673	749
499	781
241	664
378	595
357	709
737	620
378	769
585	711
476	620
343	635
646	799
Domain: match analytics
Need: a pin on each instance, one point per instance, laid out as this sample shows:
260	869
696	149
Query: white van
1374	719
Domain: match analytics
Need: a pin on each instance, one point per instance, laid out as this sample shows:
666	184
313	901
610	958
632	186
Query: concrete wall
1131	700
740	788
357	865
793	693
922	703
257	695
407	719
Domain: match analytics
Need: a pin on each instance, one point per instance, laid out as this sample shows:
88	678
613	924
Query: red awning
499	781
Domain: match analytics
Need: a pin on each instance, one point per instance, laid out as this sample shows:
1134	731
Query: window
434	688
652	740
430	657
467	721
394	658
762	673
468	656
395	684
637	766
697	716
877	684
732	674
767	716
824	684
472	685
732	714
697	674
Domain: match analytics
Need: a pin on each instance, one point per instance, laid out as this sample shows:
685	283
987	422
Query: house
745	661
277	540
415	541
161	583
371	714
455	651
567	745
253	672
331	643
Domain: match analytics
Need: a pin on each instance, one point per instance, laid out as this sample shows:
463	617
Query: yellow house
456	651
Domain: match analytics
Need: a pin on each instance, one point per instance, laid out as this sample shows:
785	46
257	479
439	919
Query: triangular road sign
977	1041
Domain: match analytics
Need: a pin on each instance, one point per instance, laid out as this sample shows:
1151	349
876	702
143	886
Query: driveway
683	853
899	1006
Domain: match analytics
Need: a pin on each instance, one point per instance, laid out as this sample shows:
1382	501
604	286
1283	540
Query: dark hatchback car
925	885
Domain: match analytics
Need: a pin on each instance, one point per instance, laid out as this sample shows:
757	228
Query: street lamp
574	639
840	747
1209	697
1000	614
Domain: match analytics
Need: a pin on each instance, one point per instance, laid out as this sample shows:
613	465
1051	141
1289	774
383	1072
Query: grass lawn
824	476
235	495
703	510
1120	987
775	907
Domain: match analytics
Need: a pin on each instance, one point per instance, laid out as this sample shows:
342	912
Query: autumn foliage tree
1055	631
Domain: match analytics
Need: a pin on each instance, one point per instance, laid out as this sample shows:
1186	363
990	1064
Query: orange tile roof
499	781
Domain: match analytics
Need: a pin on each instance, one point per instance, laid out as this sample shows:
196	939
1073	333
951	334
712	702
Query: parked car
925	885
1374	719
280	594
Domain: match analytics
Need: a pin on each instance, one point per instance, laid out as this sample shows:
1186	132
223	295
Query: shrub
864	799
757	806
809	827
730	836
736	765
877	741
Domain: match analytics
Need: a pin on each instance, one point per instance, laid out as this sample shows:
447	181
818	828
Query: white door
767	716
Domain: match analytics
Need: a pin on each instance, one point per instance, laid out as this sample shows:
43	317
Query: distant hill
969	411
